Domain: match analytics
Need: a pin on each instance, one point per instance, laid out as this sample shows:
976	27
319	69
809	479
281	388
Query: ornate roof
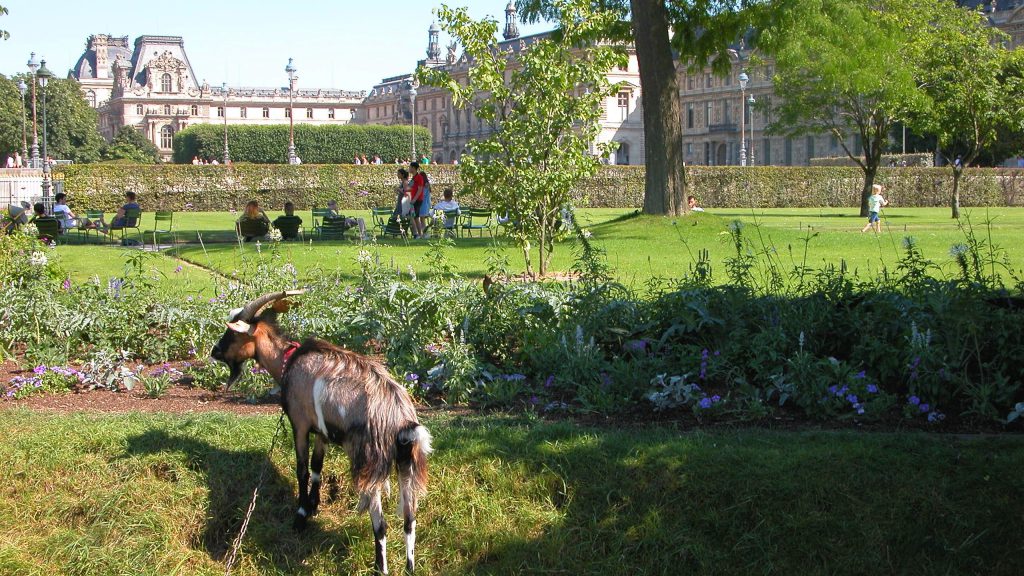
86	66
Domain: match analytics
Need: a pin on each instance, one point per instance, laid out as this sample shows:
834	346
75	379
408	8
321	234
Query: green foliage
71	124
131	145
544	108
313	144
12	114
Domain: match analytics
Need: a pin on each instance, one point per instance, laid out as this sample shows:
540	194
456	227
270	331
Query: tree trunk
665	181
955	200
869	181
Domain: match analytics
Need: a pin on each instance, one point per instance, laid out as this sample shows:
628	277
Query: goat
341	397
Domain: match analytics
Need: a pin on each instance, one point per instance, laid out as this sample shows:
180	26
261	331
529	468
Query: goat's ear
240	326
282	306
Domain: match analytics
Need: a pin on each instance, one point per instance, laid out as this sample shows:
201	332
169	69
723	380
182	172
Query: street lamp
224	90
292	78
750	101
412	96
44	76
33	65
23	88
743	143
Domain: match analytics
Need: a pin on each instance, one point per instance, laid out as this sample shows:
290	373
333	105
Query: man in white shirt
447	205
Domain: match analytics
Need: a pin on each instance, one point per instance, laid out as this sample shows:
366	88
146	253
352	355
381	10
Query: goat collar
292	347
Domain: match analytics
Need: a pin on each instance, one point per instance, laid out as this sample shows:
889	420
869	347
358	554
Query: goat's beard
235	371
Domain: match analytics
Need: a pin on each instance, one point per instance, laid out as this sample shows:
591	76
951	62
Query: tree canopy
543	106
130	144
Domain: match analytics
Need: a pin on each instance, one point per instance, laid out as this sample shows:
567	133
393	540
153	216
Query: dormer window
165	83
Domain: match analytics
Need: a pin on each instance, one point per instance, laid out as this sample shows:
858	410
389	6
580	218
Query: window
689	115
788	150
623	98
166	137
690	82
767	147
726	116
330	113
728	80
309	112
266	112
243	112
138	109
90	97
220	111
810	148
707	113
689	148
622	154
707	80
167	109
287	112
165	83
195	110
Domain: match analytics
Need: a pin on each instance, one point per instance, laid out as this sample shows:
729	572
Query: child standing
875	204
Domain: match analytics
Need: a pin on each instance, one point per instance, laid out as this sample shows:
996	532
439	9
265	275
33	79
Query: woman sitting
253	223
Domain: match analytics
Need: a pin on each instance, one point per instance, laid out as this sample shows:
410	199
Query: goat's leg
407	508
302	474
319	448
380	530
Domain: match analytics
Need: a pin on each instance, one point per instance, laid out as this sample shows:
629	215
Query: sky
345	44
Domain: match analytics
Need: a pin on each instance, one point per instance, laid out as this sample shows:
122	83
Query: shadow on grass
231	476
664	502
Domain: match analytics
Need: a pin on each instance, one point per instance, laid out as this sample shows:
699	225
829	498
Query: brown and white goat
341	397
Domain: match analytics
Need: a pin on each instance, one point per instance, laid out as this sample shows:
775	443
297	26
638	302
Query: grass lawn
638	247
164	494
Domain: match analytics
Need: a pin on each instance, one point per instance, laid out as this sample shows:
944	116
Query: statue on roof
451	52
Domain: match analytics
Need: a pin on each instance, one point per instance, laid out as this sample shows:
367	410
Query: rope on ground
252	503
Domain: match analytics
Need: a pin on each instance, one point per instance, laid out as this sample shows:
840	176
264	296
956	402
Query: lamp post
33	65
743	143
23	88
224	90
750	102
412	96
44	76
292	78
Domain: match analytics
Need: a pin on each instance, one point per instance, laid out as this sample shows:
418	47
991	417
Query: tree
543	105
12	113
71	124
702	33
130	144
847	67
975	87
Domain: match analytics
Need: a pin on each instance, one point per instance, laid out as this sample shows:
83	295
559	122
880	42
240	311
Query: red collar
292	347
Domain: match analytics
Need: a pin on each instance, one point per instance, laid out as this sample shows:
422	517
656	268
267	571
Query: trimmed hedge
313	144
215	188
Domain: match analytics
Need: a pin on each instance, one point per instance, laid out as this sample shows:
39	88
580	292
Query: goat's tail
413	447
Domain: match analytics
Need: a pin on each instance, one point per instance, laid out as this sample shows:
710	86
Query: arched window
309	112
90	97
622	154
195	110
166	137
165	83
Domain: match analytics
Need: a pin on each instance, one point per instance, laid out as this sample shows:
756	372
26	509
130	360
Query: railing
723	127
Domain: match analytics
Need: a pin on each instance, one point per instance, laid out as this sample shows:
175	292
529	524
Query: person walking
875	204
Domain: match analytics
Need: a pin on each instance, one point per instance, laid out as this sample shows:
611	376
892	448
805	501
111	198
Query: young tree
697	33
846	67
12	114
71	124
130	144
543	105
975	87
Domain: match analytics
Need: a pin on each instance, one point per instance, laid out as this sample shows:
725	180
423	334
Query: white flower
259	247
364	257
38	259
275	235
909	242
289	269
735	226
586	233
30	230
958	250
412	272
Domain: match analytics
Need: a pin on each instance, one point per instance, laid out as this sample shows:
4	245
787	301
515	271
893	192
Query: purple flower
704	354
913	400
66	284
695	387
716	398
412	377
860	409
705	403
178	269
717	352
534	400
212	300
872	389
924	407
851	398
936	416
833	390
550	381
364	192
41	369
606	380
860	375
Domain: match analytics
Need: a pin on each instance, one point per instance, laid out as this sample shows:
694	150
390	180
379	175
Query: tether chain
252	504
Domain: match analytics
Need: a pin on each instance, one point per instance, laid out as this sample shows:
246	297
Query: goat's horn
253	308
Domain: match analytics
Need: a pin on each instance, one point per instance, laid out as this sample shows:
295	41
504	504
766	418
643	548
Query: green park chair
450	223
332	229
290	227
385	225
163	223
48	227
94	216
66	227
476	219
132	220
319	215
249	228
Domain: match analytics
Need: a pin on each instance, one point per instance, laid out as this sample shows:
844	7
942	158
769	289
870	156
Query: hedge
313	144
216	188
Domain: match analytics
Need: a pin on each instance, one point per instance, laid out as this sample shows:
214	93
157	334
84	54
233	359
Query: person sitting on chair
447	205
332	214
39	217
120	220
691	203
289	223
69	219
253	223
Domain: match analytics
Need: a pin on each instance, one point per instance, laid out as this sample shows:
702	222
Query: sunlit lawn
638	247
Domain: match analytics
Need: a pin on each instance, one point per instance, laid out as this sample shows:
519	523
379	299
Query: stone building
152	87
391	101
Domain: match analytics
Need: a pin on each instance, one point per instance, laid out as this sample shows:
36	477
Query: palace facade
150	86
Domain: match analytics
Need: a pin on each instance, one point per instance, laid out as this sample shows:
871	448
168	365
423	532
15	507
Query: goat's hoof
300	522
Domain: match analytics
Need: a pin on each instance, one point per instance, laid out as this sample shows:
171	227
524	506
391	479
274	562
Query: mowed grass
637	246
165	494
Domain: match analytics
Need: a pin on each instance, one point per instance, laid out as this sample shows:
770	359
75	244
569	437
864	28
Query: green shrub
313	144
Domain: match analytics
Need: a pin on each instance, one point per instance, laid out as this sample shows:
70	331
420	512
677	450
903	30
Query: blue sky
335	43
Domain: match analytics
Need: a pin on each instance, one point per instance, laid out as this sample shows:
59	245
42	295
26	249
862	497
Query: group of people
254	224
412	200
197	161
361	159
17	215
15	160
